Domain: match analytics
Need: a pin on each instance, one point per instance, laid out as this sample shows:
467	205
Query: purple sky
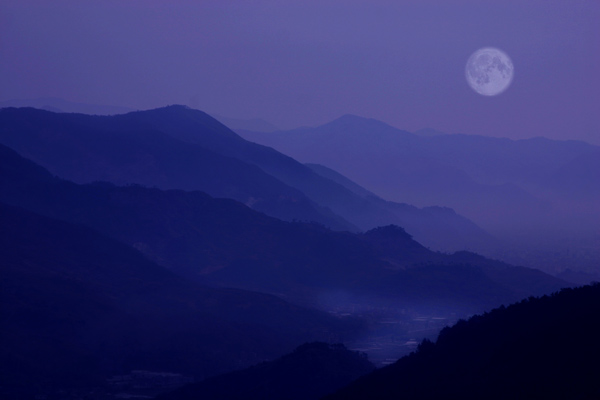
307	62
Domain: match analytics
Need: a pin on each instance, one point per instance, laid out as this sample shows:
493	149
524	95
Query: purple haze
308	62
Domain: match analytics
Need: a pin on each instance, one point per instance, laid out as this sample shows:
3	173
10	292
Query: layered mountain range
539	348
79	307
180	148
538	196
117	255
223	242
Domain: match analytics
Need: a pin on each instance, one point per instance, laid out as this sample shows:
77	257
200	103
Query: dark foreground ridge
311	371
540	348
78	307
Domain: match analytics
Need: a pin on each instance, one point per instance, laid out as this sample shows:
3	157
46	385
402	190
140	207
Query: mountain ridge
78	307
86	148
176	147
309	372
539	348
224	242
513	189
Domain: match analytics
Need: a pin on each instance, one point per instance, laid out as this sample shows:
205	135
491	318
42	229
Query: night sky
308	62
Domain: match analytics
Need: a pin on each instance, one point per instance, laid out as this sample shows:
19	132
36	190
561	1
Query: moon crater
489	71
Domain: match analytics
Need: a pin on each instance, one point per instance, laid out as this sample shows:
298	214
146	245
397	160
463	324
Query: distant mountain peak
171	108
389	231
185	120
176	107
360	125
351	119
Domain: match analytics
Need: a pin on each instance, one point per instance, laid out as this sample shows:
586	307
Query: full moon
489	71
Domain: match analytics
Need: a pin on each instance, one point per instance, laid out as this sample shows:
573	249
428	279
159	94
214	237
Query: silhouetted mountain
335	176
310	372
101	152
224	242
78	307
540	348
255	124
197	127
537	195
399	165
63	106
125	149
438	228
427	132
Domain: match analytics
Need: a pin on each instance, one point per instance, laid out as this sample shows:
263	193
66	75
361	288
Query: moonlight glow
489	71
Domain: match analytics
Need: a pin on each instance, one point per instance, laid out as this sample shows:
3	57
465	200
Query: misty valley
164	254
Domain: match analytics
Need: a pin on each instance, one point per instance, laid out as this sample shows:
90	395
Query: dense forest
539	348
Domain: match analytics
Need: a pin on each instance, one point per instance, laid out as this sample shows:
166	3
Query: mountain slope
177	147
196	127
78	307
438	228
544	348
86	148
341	179
255	124
224	242
538	196
400	166
310	372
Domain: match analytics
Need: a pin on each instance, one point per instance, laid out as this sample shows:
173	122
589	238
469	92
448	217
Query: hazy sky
307	62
